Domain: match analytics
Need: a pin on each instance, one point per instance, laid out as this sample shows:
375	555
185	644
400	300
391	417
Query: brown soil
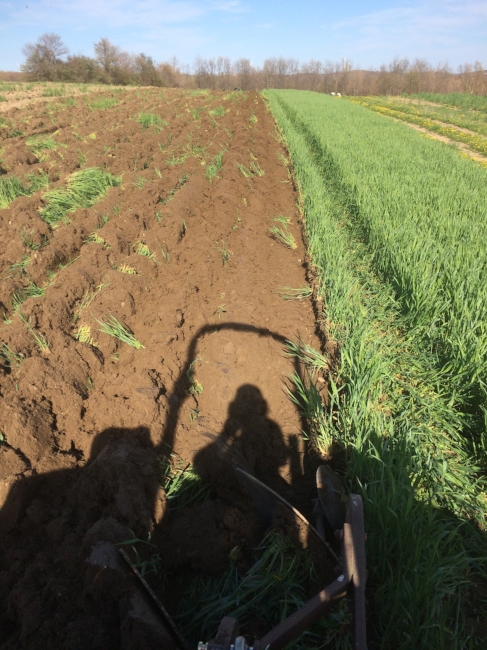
27	95
85	426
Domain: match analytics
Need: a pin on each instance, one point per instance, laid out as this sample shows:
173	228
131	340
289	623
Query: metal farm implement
331	514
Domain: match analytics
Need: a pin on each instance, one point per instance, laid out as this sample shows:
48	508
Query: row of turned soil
85	426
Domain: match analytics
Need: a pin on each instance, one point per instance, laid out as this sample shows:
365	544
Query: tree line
49	60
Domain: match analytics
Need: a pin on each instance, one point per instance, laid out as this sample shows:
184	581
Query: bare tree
107	55
224	72
169	75
44	58
269	72
244	70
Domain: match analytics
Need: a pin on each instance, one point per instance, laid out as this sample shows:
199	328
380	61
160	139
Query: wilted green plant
84	189
181	483
40	339
307	354
283	236
10	357
140	182
282	219
30	291
125	268
213	169
114	328
300	293
144	566
271	590
87	299
218	111
39	144
96	238
29	240
19	266
81	158
225	252
102	220
175	160
84	335
12	187
144	250
195	388
103	102
165	254
181	182
14	133
221	309
254	170
149	119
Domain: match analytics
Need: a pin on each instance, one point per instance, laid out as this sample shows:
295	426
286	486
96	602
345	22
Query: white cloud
424	29
112	14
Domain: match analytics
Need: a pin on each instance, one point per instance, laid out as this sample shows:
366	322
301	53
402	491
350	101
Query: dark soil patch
85	426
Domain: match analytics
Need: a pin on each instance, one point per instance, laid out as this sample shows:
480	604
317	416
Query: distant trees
49	60
43	59
146	72
107	56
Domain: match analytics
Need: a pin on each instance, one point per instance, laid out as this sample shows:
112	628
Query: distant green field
438	119
460	100
397	230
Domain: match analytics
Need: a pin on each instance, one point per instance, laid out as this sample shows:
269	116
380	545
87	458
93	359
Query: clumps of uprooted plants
260	588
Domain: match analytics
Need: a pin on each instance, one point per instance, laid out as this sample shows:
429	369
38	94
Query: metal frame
353	576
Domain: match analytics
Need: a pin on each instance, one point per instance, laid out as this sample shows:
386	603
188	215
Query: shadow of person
249	440
62	582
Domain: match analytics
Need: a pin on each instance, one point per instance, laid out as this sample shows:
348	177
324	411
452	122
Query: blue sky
368	33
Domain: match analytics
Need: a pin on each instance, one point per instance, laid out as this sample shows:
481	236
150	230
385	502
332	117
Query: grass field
452	123
397	233
465	101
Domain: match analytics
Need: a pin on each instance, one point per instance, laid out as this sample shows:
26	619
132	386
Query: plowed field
180	255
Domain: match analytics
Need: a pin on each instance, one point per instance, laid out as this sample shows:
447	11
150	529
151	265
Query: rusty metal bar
298	622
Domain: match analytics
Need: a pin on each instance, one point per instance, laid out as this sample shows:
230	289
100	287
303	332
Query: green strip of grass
84	189
394	411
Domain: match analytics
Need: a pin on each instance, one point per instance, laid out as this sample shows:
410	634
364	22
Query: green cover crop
396	230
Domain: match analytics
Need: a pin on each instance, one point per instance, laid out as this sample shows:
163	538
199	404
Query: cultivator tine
352	564
266	501
181	642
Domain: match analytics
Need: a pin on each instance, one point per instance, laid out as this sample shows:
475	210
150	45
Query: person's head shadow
249	439
58	517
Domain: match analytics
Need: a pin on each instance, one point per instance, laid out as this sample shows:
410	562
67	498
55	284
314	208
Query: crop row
379	221
471	120
413	116
466	101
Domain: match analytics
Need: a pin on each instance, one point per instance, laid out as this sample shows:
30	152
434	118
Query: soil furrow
188	267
